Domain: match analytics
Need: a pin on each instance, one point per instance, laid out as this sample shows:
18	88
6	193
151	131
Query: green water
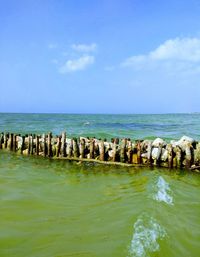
51	208
55	208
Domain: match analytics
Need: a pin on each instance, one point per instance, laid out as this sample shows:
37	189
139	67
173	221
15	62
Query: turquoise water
169	126
59	208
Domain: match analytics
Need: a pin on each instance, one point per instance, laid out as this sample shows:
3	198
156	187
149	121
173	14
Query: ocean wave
146	234
163	191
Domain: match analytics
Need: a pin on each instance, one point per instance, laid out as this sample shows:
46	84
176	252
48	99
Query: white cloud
186	49
84	48
77	64
179	54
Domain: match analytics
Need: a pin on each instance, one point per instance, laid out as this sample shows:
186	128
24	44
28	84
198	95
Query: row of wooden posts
123	152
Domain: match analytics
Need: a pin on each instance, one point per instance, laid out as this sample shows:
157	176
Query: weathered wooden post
129	150
139	158
159	152
178	157
91	148
70	148
188	155
31	144
63	144
82	148
44	145
75	148
22	145
101	151
1	140
10	144
34	144
49	146
123	150
5	140
149	153
170	156
14	142
58	146
37	145
114	148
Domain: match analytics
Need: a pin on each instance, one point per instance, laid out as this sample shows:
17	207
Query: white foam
86	123
146	234
163	192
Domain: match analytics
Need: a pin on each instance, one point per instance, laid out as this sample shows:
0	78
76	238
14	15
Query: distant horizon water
99	113
134	126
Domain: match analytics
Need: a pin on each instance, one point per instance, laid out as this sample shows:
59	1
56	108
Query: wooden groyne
184	153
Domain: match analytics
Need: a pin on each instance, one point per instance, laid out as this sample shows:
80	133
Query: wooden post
114	150
34	143
44	145
58	146
96	148
70	148
129	151
188	155
139	158
75	148
101	151
91	148
159	154
82	148
18	142
37	145
23	143
63	144
10	141
149	153
14	142
5	140
123	150
49	146
1	140
170	156
178	157
31	144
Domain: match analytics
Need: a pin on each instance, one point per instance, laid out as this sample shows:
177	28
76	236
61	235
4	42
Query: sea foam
163	191
145	238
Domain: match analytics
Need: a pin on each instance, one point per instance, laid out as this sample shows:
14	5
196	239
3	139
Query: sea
59	208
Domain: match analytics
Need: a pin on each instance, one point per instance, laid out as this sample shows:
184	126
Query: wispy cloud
180	54
86	48
77	64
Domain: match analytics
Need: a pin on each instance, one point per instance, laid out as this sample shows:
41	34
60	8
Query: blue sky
106	56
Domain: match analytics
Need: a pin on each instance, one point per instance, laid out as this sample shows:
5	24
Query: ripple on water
146	234
163	191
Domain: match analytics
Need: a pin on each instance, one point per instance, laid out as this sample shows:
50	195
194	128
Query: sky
100	56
